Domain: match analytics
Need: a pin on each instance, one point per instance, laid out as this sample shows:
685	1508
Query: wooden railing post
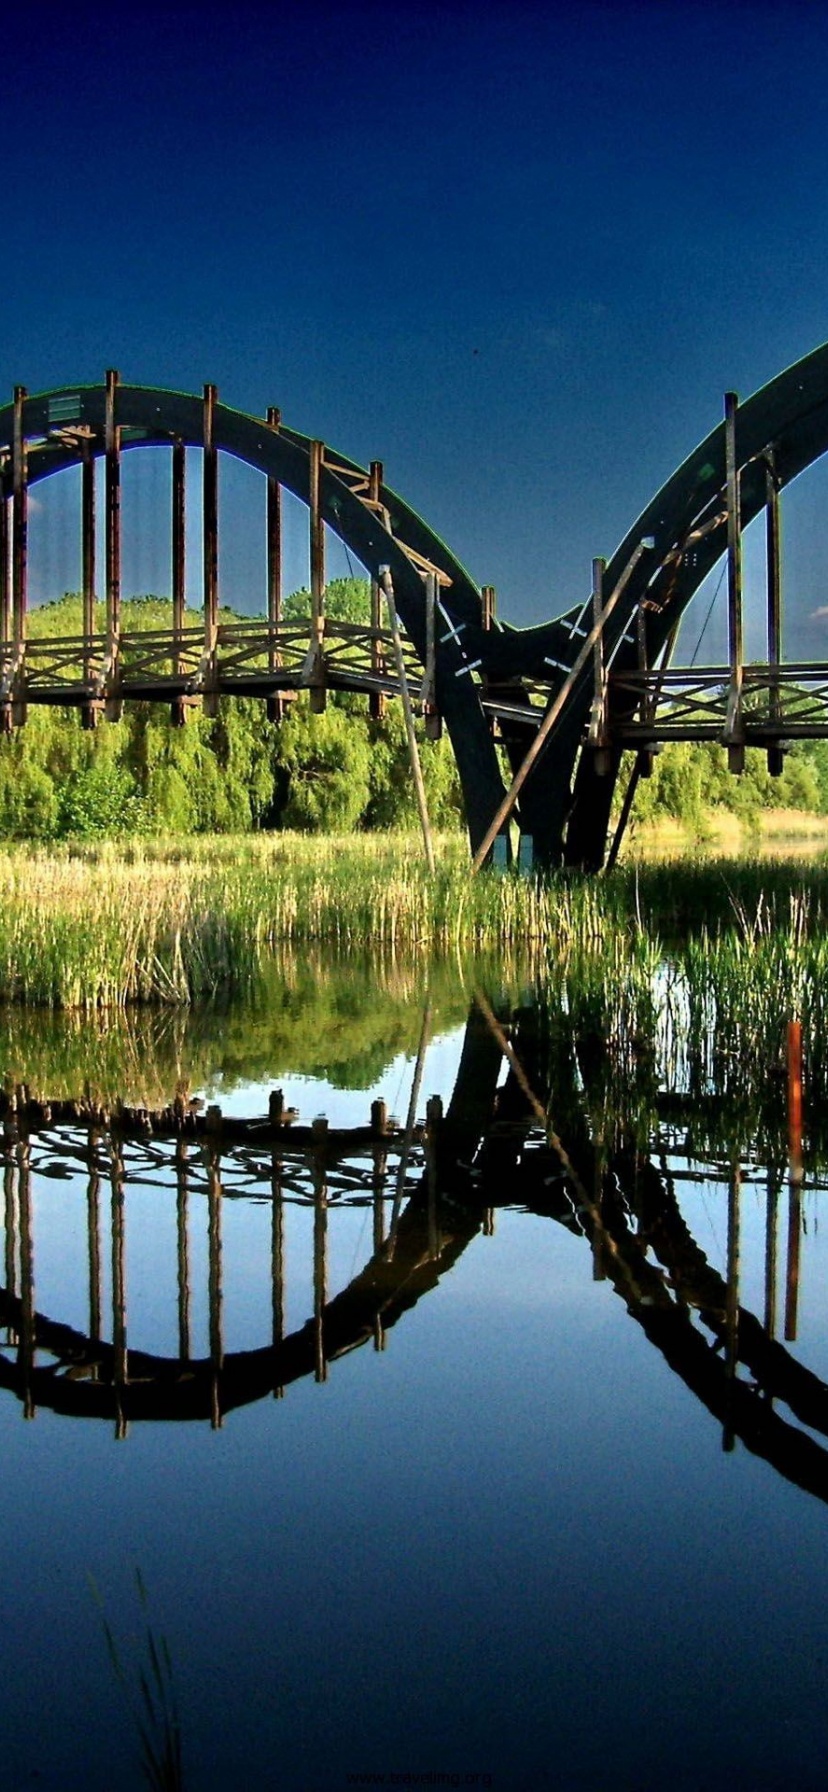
733	731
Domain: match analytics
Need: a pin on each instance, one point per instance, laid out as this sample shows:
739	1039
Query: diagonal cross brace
553	713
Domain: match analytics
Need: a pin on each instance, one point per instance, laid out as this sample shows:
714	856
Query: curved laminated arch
784	424
53	423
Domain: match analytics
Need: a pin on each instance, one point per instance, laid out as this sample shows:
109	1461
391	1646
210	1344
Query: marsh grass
172	923
149	1691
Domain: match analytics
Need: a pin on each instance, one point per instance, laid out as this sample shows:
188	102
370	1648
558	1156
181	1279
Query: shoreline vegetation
100	925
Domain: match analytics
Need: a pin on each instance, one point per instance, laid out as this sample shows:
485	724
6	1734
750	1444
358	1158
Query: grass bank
170	922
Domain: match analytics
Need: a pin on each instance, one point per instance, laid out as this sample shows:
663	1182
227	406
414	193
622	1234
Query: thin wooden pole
27	1289
596	725
88	551
434	1120
10	1195
733	727
317	540
408	713
277	1259
274	550
119	1319
93	1238
796	1174
410	1123
183	1252
20	519
214	1194
179	547
5	565
773	555
320	1256
210	519
432	717
506	807
732	1297
376	701
770	1254
489	601
112	448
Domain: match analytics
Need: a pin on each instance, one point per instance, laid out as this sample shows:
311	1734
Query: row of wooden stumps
211	1130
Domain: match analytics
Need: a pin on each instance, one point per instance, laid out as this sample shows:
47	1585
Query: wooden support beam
320	1267
507	806
315	669
178	518
431	714
91	711
10	1219
20	520
93	1239
732	1297
795	1176
434	1121
112	449
119	1310
770	1254
597	735
489	603
27	1344
733	734
5	565
317	541
210	520
377	699
773	555
215	1292
408	713
275	703
277	1260
183	1250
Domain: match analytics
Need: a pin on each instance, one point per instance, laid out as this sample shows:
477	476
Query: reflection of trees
344	1020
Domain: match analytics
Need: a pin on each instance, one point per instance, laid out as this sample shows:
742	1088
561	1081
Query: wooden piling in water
795	1177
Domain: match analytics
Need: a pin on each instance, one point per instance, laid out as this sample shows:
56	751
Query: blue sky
516	252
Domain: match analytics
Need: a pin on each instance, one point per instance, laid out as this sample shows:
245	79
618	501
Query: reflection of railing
316	1167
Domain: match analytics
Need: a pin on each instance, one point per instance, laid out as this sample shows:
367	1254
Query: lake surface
486	1454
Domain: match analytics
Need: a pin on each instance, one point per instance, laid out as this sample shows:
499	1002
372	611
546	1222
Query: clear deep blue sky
516	252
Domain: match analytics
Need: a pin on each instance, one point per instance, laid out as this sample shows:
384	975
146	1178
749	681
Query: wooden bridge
432	1187
566	700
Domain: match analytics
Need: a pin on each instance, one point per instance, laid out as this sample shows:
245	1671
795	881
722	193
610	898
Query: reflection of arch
490	1150
90	1382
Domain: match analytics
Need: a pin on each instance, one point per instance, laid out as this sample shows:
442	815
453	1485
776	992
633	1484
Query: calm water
481	1459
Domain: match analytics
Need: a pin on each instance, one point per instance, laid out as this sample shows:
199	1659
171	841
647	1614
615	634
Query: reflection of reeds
150	1695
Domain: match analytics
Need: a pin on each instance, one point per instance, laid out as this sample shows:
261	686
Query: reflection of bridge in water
430	1187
